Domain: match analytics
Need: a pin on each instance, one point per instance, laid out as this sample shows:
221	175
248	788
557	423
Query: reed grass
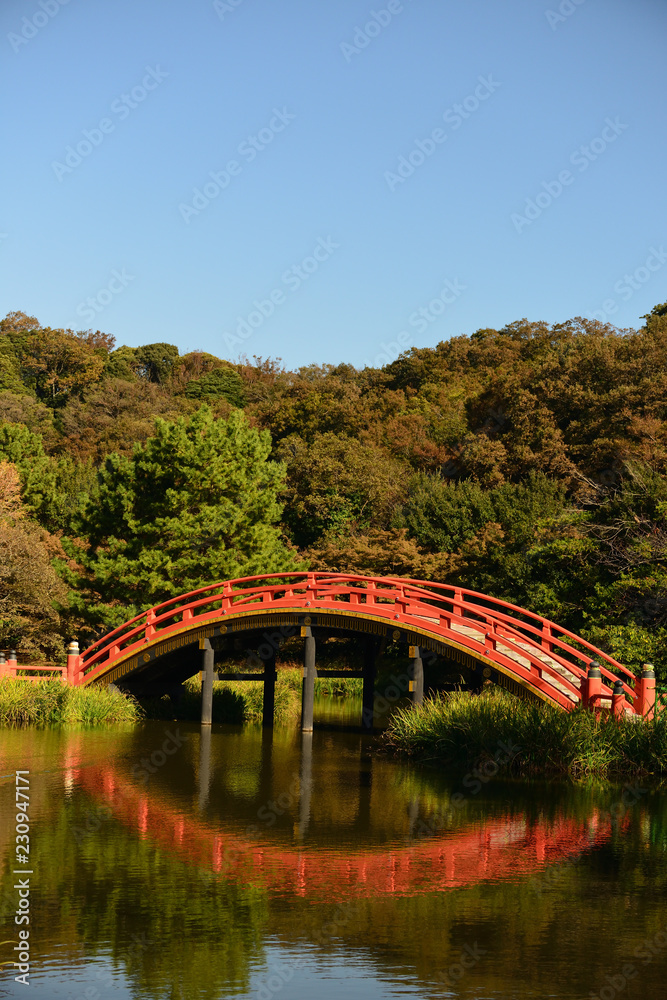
51	702
462	730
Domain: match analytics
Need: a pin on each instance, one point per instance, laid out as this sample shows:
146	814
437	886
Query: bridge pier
368	696
207	682
269	691
416	675
309	675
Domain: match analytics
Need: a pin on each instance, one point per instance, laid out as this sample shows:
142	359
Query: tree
197	503
337	485
57	363
54	489
156	361
29	585
221	383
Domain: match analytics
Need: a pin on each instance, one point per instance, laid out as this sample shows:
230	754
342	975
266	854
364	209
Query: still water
170	863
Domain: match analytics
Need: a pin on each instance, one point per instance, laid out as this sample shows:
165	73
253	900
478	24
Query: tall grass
50	702
242	701
460	729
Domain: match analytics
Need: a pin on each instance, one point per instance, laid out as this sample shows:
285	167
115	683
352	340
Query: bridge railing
503	621
550	637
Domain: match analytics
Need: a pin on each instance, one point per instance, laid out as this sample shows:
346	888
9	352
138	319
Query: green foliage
529	462
633	646
54	489
221	383
335	484
197	503
10	375
466	730
155	361
49	702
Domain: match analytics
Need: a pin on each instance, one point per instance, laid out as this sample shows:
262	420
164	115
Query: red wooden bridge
433	622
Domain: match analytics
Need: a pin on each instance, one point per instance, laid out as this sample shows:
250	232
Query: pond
170	862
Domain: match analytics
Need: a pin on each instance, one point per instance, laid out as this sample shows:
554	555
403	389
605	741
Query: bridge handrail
553	640
338	585
426	585
399	590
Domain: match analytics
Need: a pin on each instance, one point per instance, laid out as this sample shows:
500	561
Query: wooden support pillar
309	675
207	682
591	687
416	676
645	692
269	693
368	696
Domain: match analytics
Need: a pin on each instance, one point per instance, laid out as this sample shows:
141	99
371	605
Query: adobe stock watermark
468	959
378	20
475	780
281	974
91	307
626	286
454	116
31	26
293	278
222	7
140	942
646	952
420	320
582	157
249	149
94	818
269	812
629	798
565	9
121	107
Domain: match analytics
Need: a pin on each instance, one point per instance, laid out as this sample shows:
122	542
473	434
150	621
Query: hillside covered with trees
529	462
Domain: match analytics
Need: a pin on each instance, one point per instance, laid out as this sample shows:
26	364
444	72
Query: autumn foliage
529	462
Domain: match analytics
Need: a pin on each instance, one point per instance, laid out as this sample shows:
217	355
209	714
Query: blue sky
331	182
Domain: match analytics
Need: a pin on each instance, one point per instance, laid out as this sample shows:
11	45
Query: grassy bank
51	702
241	701
463	731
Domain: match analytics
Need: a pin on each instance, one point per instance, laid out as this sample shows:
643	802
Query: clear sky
331	180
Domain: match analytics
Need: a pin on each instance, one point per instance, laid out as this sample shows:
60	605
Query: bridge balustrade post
4	669
207	682
591	687
368	695
12	663
618	700
645	692
309	675
72	662
416	676
269	691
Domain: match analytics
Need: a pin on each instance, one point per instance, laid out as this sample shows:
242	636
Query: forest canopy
529	462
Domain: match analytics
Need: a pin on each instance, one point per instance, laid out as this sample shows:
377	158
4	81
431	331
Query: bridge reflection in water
428	850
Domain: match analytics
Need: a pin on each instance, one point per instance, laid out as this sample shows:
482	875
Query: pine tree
197	503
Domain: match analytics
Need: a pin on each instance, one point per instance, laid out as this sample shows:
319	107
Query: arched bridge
431	623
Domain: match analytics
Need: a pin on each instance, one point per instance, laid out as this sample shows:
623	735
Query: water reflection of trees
205	931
